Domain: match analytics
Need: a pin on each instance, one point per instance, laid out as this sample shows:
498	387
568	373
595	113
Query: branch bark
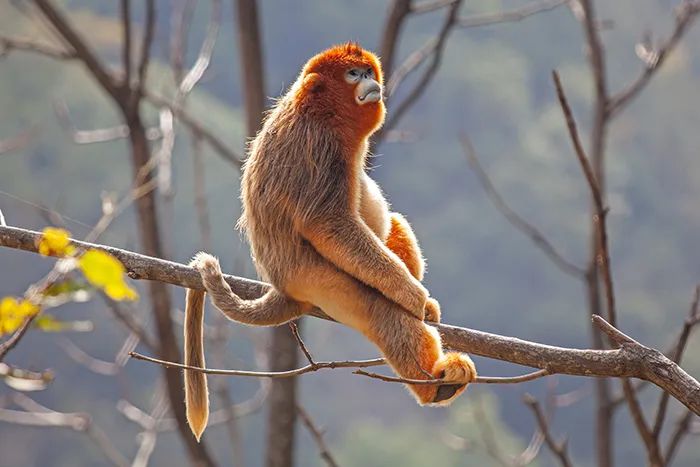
630	360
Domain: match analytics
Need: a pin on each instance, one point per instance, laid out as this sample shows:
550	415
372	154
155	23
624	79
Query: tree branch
515	219
558	449
510	16
685	16
630	360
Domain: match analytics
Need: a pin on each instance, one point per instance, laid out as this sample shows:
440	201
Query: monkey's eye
352	75
370	72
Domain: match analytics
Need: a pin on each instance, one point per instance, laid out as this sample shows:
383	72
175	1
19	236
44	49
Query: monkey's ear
314	83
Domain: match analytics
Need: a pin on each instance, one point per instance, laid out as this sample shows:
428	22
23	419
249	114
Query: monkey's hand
353	247
432	310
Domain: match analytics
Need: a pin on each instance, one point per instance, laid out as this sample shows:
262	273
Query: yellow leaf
106	272
55	242
13	312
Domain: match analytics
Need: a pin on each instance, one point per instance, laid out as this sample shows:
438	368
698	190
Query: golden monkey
322	234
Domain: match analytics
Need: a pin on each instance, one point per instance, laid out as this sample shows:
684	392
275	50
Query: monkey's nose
368	90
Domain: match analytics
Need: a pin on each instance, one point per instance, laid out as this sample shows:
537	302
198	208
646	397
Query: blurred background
68	145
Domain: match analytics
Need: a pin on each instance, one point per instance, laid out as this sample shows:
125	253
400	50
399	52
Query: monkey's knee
404	244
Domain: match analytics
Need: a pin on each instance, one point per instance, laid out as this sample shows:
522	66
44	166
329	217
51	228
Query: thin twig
686	14
576	141
515	219
265	374
479	379
510	16
125	7
146	42
9	44
680	431
317	435
559	449
690	322
295	332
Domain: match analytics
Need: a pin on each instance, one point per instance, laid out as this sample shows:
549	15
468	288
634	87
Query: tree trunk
281	416
158	292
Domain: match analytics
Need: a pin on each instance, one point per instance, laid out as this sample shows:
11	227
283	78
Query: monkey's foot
453	367
432	310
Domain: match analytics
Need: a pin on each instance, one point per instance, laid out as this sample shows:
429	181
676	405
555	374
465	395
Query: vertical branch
128	101
282	354
252	76
147	42
604	410
398	11
126	41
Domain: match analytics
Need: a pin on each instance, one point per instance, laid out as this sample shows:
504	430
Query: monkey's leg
352	247
402	241
414	351
412	348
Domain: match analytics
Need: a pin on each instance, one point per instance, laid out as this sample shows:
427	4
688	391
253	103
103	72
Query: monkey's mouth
368	90
371	96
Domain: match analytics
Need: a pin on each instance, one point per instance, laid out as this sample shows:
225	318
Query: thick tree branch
630	360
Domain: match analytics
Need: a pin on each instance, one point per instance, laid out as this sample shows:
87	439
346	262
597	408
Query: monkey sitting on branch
322	234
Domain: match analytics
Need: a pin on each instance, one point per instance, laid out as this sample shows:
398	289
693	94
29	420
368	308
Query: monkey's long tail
271	309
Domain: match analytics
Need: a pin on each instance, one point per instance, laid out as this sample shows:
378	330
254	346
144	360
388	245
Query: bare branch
510	16
82	51
125	7
515	219
265	374
398	11
147	40
690	322
180	24
295	332
650	441
9	44
14	339
429	6
681	430
317	435
185	118
558	449
631	360
686	14
36	414
100	135
204	58
479	379
428	74
576	141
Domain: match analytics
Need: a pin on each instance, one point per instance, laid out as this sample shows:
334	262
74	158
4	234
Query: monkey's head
345	84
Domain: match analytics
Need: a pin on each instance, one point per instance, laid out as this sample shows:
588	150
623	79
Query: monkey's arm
351	246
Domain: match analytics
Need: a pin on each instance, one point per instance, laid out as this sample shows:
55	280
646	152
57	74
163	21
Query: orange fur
403	242
322	234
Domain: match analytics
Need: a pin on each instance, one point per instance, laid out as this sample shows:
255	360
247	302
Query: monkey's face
346	81
366	88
